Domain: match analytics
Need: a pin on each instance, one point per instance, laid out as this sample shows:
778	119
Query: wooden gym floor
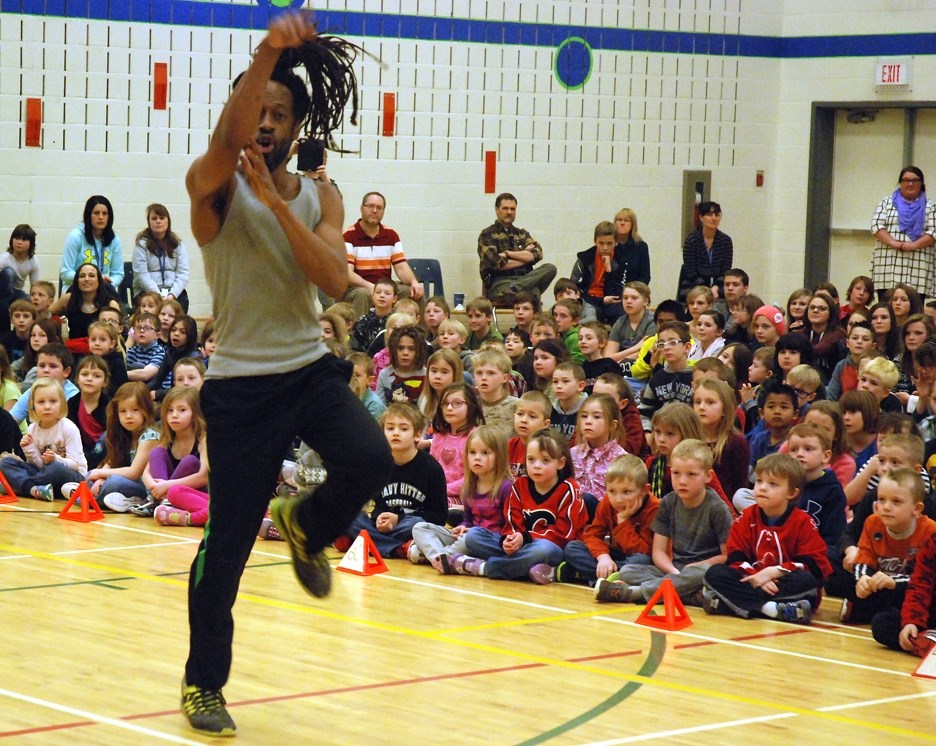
94	637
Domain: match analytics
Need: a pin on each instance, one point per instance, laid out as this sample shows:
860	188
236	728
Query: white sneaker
120	503
68	488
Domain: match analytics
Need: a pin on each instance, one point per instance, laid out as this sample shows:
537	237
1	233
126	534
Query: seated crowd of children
117	409
757	459
756	468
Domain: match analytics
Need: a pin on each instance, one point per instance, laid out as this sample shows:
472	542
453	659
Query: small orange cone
8	496
89	509
362	558
674	615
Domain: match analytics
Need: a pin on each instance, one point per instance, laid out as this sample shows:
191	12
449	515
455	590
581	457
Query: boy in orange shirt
620	532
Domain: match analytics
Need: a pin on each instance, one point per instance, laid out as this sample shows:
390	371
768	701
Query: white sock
769	609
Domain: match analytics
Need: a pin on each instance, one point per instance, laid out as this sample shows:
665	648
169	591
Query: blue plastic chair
429	273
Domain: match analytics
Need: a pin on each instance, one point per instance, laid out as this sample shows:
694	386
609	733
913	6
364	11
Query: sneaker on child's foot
342	543
167	515
268	530
68	488
465	565
798	612
415	556
542	573
442	564
846	611
923	642
712	603
120	503
608	590
311	567
43	492
145	509
565	573
205	711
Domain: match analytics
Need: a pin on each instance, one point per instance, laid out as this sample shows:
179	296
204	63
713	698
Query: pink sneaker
166	515
269	531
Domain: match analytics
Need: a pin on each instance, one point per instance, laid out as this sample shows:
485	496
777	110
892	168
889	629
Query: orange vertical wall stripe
33	122
490	171
389	114
160	85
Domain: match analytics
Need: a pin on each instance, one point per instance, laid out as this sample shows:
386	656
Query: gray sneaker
798	612
120	503
608	590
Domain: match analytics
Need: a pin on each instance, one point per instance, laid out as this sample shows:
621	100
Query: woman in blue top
93	241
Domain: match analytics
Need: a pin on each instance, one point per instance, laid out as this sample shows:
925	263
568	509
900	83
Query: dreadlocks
328	64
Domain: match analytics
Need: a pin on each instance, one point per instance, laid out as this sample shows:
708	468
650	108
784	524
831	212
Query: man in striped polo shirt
373	251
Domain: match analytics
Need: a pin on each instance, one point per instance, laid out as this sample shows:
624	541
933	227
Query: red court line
396	683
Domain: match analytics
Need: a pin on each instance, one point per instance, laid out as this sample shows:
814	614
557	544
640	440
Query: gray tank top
263	303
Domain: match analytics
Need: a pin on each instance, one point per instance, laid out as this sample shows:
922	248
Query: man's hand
258	176
416	289
290	30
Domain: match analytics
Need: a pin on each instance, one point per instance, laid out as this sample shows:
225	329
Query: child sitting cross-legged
415	491
599	422
690	532
484	492
544	512
620	532
52	445
568	387
887	549
776	559
459	413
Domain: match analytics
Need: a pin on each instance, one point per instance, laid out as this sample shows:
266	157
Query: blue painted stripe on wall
379	25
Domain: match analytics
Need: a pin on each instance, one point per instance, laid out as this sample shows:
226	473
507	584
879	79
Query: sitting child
415	491
887	549
690	532
918	615
180	460
491	369
544	512
459	413
403	380
484	493
620	532
52	445
530	416
776	559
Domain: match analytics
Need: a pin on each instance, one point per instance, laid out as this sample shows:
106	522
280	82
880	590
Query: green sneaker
312	570
205	711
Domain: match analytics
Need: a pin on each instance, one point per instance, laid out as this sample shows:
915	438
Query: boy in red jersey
776	558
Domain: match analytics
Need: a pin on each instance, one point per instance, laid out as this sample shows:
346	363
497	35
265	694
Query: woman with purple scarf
904	225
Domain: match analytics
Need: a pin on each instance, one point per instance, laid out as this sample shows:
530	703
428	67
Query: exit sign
892	72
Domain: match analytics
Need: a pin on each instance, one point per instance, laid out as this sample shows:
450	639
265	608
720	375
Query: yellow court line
528	657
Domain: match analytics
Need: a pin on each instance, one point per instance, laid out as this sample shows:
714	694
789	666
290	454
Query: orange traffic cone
674	615
90	510
8	495
362	558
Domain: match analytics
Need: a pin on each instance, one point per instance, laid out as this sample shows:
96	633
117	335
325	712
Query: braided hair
332	82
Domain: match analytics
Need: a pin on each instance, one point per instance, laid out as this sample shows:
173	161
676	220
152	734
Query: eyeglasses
667	344
803	394
814	307
146	329
910	181
453	403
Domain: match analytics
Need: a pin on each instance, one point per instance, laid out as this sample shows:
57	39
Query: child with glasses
145	357
674	381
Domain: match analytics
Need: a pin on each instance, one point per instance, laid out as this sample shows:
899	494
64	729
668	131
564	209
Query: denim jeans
486	545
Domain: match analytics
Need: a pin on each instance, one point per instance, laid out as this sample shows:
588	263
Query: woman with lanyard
707	254
904	225
160	261
93	241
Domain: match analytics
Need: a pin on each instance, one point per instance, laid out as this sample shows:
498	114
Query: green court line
649	667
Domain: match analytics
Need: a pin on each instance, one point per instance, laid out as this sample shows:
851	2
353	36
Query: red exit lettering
890	73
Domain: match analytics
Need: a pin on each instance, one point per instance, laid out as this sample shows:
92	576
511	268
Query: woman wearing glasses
81	305
904	225
825	333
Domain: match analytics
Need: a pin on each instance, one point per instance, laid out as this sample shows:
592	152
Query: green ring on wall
572	64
